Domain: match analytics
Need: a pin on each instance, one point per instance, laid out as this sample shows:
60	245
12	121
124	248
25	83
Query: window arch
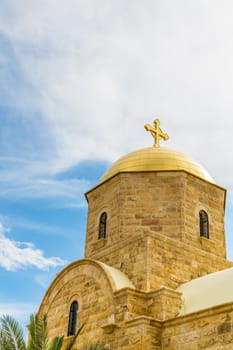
102	226
204	224
72	318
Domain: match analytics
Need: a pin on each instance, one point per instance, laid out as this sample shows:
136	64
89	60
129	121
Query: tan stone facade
126	286
153	227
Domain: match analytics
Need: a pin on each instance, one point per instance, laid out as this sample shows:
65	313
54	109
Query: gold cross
156	132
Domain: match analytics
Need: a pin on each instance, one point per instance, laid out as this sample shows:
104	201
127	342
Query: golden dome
156	159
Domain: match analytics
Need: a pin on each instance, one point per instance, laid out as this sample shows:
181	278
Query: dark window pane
102	225
204	224
72	318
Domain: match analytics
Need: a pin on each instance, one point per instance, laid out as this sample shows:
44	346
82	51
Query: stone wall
153	232
86	283
208	330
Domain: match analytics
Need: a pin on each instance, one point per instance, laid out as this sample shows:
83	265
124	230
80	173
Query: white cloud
14	221
98	72
17	255
30	179
43	280
44	188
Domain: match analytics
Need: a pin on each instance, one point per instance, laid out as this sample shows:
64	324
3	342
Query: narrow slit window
73	318
204	224
102	226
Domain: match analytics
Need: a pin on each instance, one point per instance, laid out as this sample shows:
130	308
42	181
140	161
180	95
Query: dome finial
156	132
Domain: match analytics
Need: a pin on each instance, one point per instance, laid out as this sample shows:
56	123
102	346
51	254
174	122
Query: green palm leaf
56	343
38	335
11	335
71	343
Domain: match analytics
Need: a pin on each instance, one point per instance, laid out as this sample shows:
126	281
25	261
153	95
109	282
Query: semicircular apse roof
207	291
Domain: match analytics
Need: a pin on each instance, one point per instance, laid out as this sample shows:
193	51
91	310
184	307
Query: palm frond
11	334
72	341
38	336
44	331
56	344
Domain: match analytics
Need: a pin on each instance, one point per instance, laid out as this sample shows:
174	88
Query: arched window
204	224
72	318
102	225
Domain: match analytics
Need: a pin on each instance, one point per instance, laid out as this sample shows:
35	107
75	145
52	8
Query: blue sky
79	79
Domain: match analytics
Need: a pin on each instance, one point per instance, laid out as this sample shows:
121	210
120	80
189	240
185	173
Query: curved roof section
91	268
119	279
207	291
156	159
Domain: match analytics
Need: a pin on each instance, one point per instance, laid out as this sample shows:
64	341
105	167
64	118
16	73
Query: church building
155	273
